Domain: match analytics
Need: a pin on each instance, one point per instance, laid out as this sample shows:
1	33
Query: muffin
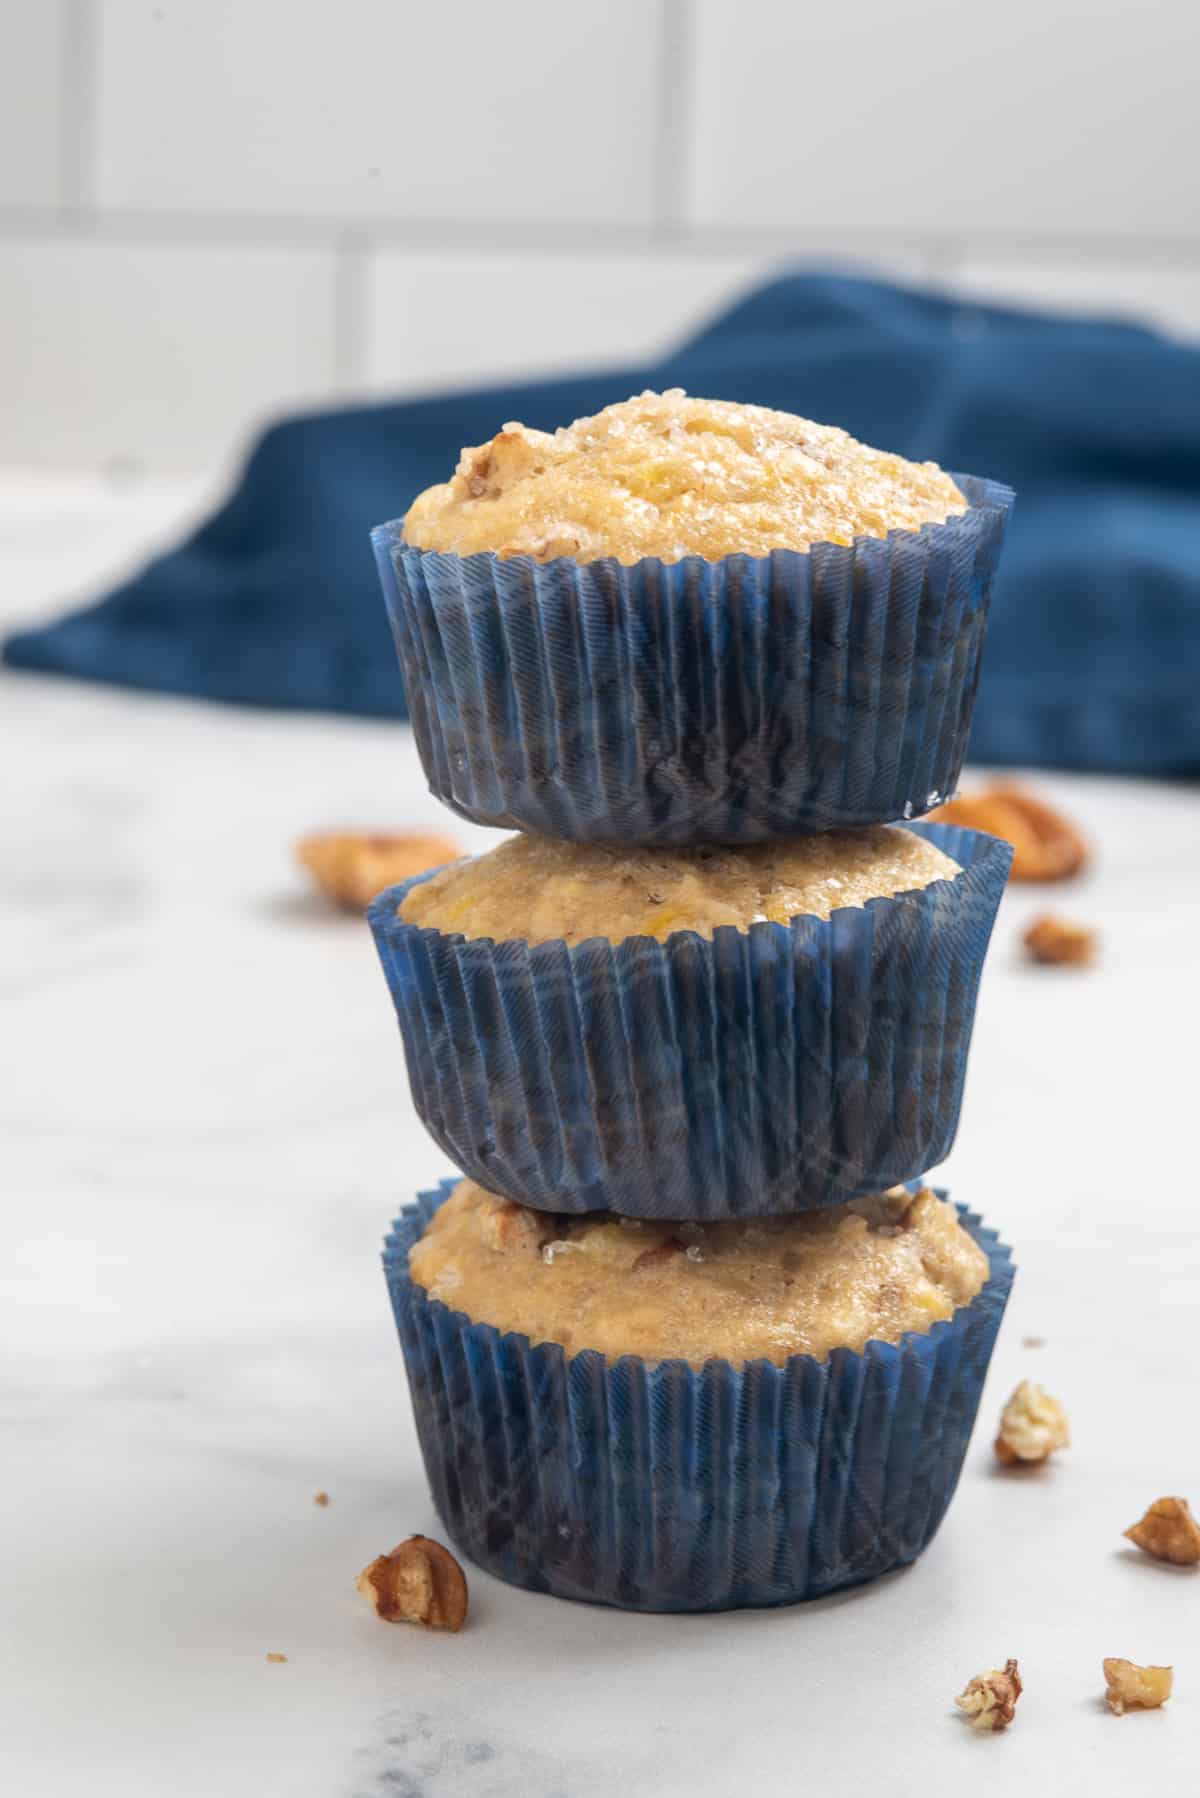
694	1033
667	476
758	1290
541	889
690	621
694	1417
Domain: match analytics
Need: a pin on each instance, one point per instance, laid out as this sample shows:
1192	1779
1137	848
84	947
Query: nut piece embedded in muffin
770	1288
541	890
666	475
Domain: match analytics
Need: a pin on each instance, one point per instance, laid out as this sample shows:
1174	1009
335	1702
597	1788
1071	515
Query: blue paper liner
698	701
660	1487
771	1070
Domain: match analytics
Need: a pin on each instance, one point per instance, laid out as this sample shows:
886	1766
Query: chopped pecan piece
1046	846
1133	1688
350	867
479	472
1169	1532
989	1701
508	1228
1059	943
485	471
1032	1426
662	1251
563	544
418	1582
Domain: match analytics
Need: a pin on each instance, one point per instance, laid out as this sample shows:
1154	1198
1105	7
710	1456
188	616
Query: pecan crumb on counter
350	867
277	1659
1057	942
1129	1687
418	1582
1032	1426
989	1701
321	1498
1169	1532
1046	846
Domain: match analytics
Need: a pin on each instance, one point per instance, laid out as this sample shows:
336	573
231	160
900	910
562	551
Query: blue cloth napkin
1093	655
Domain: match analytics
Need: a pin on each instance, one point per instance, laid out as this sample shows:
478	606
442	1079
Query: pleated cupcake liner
771	1070
663	1487
697	701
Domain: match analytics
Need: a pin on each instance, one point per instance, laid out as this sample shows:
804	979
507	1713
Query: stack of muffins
691	1333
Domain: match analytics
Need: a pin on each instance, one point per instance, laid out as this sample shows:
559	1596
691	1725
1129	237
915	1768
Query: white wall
211	210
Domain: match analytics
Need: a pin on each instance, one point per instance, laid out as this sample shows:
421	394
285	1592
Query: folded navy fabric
1093	653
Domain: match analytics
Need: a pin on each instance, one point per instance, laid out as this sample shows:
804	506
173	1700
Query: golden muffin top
669	476
739	1291
540	889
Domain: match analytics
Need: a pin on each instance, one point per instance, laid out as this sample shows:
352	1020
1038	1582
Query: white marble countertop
205	1131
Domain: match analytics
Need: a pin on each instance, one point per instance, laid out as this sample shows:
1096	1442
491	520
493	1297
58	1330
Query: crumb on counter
1057	942
418	1582
321	1498
989	1701
1046	845
350	867
276	1659
1169	1532
1129	1687
1033	1426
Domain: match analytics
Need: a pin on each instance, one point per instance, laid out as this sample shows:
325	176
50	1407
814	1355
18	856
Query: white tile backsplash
938	117
456	318
212	212
154	354
531	110
1164	295
31	99
449	319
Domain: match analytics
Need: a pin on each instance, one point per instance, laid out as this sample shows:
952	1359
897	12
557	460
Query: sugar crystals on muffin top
667	475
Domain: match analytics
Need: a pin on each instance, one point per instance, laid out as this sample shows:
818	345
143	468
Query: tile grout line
323	231
672	161
78	117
